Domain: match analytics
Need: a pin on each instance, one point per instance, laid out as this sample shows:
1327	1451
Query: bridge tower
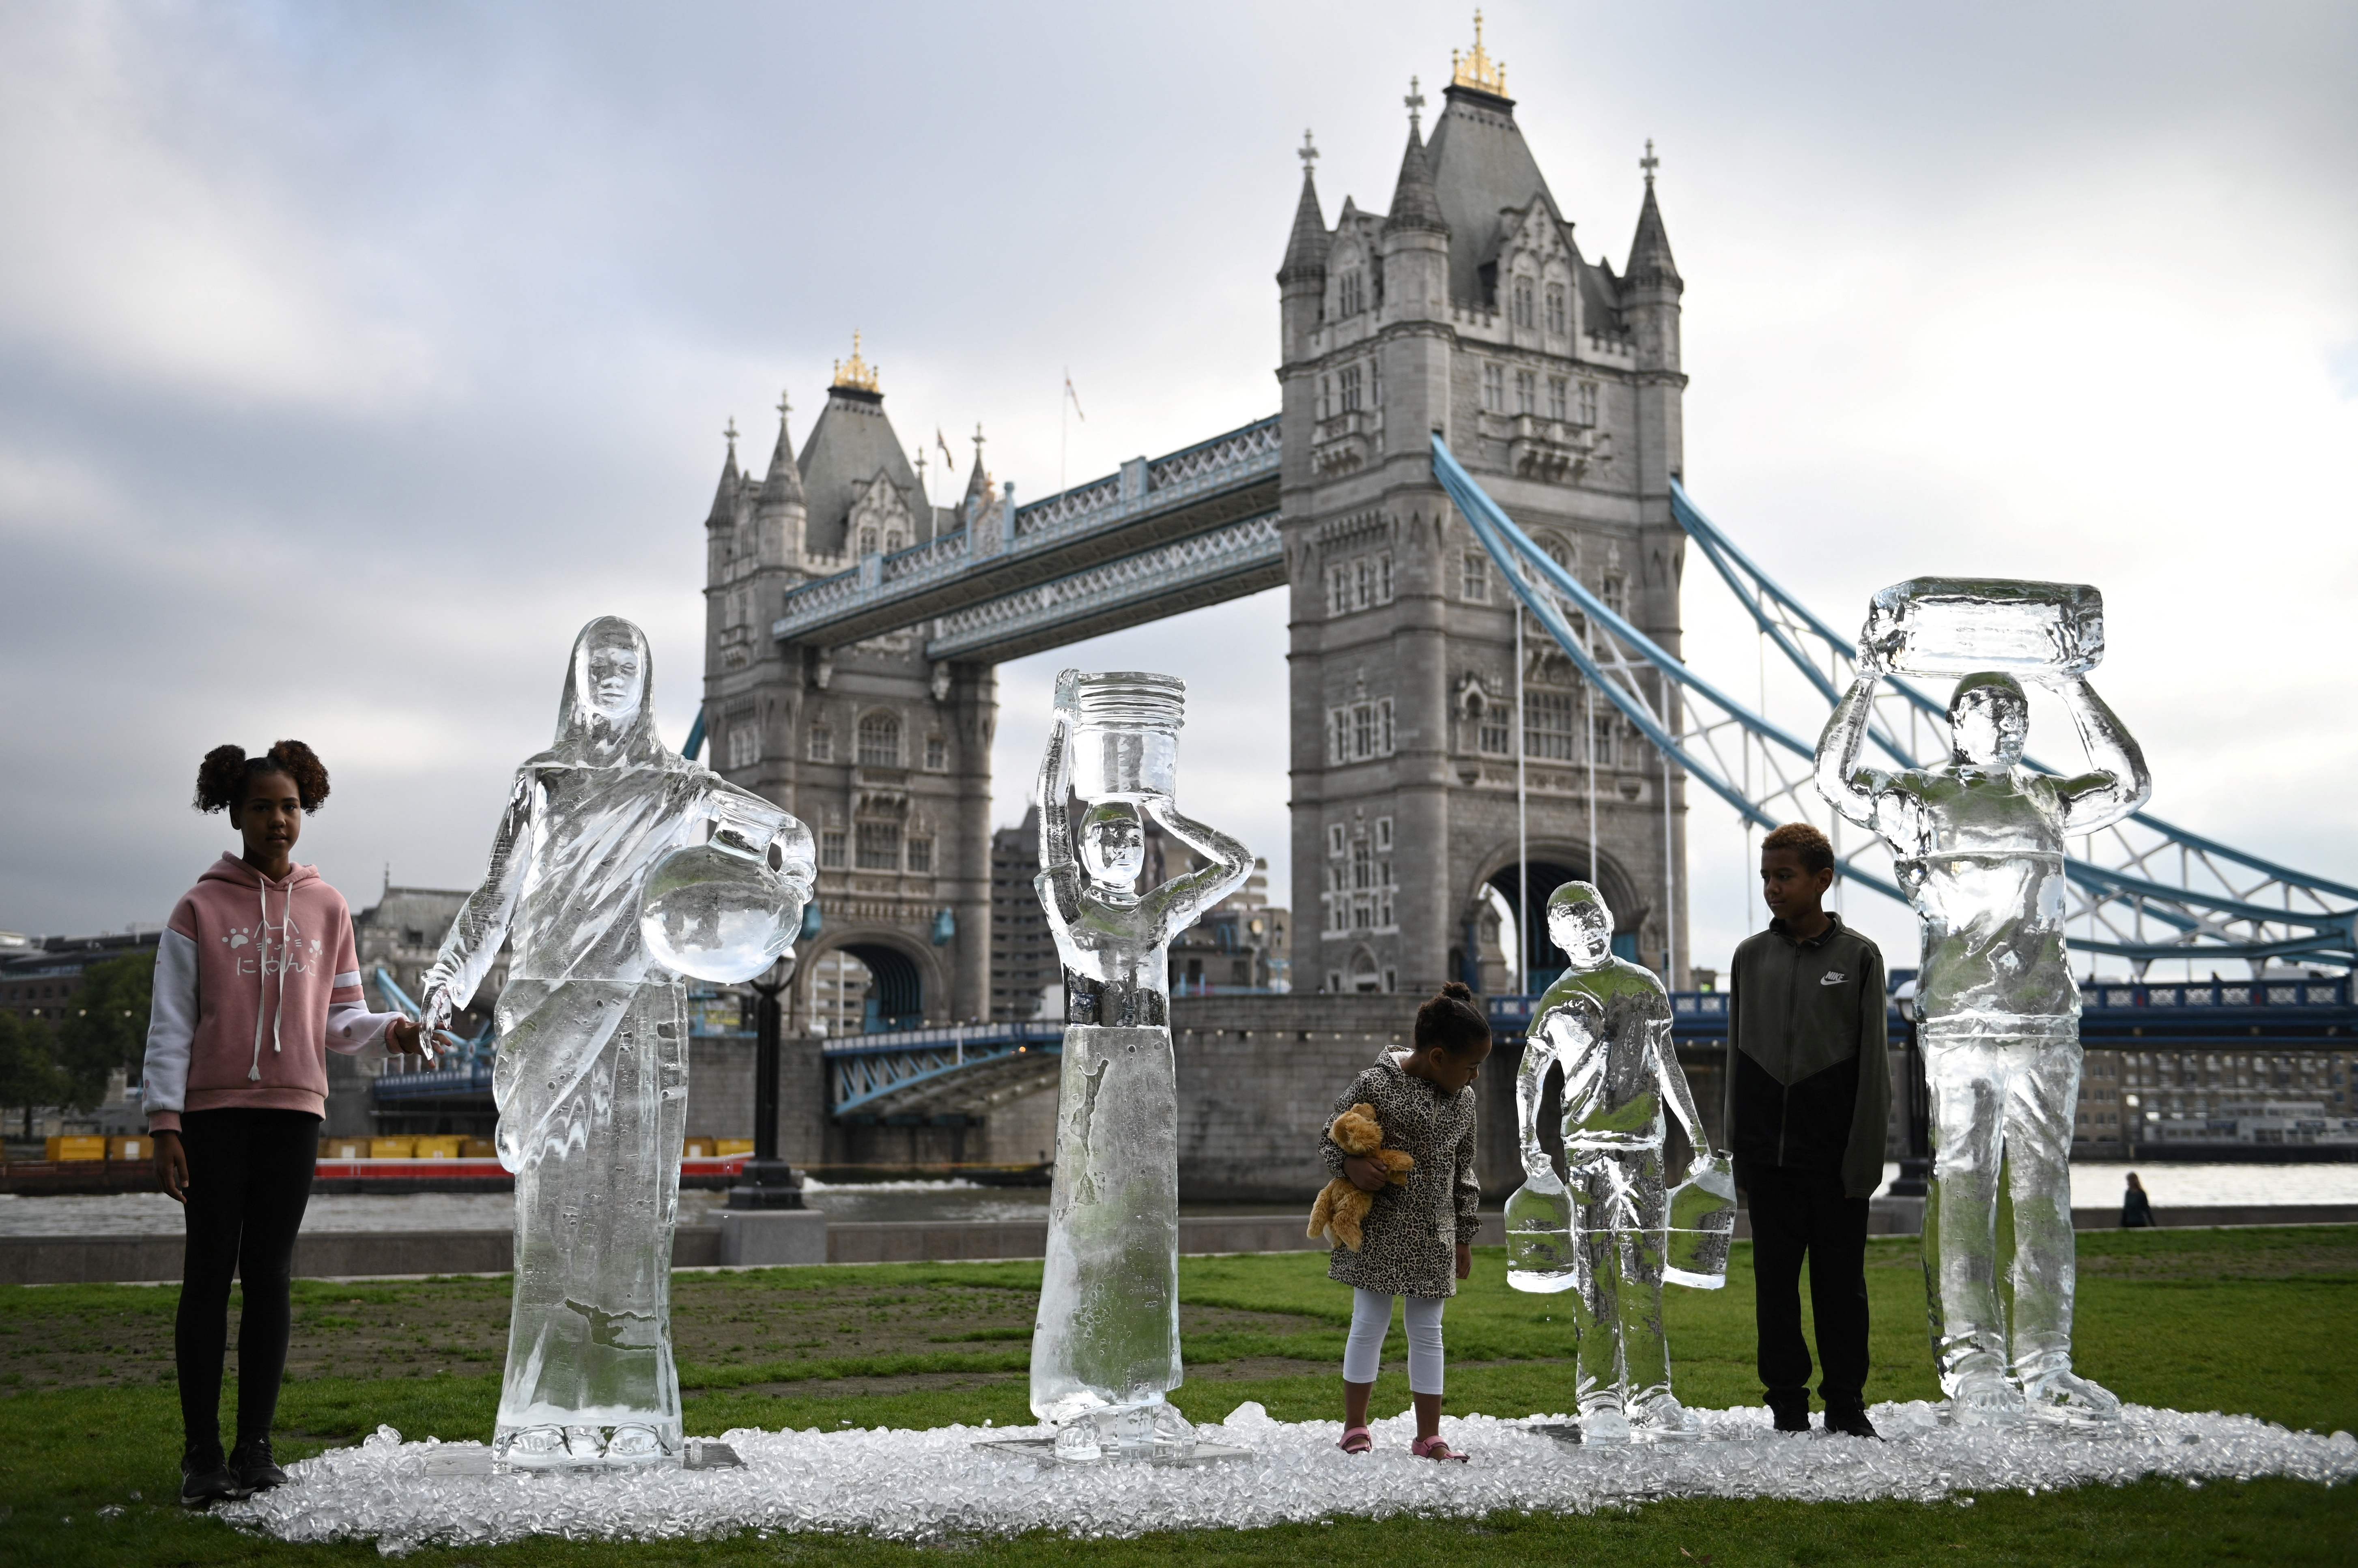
884	754
1469	310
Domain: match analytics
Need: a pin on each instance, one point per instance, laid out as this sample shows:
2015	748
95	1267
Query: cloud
139	250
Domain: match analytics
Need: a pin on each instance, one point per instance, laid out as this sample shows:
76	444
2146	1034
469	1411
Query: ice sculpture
1979	845
1105	1351
618	866
1606	1231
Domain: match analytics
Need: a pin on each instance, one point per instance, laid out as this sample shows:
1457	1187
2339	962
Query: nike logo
1831	977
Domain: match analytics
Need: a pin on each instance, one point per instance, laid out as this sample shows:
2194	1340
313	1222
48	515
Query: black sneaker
251	1462
1850	1421
1792	1415
204	1479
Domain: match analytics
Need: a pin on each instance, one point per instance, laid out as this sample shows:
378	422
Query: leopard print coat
1409	1245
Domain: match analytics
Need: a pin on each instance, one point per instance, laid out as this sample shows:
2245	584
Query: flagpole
1064	414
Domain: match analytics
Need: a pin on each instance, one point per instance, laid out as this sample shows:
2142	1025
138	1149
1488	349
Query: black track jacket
1808	1076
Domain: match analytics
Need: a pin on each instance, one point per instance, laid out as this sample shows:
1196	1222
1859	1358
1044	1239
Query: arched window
892	541
1525	316
880	741
867	541
1558	320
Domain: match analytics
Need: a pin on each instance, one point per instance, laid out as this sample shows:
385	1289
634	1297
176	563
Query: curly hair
1817	854
1452	1020
225	774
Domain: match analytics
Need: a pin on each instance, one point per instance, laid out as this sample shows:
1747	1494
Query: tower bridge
1472	494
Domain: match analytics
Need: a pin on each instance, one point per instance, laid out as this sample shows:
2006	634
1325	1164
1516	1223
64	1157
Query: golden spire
855	375
1477	70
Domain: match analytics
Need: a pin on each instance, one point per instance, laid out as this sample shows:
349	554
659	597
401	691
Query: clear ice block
1957	626
1606	1022
1105	1349
1979	843
592	1075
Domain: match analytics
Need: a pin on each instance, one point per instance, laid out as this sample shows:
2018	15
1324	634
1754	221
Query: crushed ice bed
931	1484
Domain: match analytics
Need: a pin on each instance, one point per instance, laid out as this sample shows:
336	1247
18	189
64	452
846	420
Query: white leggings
1371	1318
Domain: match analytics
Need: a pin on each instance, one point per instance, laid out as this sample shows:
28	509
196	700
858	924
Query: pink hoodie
256	981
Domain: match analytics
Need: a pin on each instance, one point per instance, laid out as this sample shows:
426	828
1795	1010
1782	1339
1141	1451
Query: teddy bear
1340	1208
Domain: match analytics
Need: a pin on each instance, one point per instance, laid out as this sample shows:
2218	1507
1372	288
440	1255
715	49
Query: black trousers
1794	1213
249	1179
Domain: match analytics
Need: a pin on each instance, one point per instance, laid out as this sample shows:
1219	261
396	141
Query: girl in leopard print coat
1417	1240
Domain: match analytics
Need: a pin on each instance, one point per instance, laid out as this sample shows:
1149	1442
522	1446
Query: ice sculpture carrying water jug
1105	1351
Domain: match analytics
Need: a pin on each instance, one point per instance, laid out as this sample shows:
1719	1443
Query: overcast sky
351	356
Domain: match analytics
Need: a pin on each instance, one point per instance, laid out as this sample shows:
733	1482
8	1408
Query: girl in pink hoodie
257	978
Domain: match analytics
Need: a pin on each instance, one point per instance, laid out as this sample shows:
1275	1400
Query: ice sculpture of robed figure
1105	1351
1607	1231
618	865
1979	845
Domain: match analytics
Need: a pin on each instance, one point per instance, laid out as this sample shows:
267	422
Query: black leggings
249	1179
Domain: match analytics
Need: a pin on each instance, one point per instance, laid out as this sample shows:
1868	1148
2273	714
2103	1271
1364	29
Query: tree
29	1074
105	1026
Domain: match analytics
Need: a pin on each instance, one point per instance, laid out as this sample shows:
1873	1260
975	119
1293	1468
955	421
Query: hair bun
1457	991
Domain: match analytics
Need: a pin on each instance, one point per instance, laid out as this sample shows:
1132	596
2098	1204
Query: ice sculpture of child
1105	1352
1979	845
592	1076
1604	1232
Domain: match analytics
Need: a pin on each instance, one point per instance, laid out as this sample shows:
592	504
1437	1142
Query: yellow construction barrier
725	1147
140	1148
393	1149
439	1147
482	1149
696	1149
343	1148
77	1149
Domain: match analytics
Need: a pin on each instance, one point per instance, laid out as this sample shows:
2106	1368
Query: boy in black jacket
1808	1088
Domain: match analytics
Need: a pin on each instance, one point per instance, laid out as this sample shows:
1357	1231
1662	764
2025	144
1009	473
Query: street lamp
766	1181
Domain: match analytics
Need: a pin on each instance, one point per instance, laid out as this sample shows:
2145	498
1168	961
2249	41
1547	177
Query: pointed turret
1415	203
783	486
724	499
1305	248
978	484
1651	265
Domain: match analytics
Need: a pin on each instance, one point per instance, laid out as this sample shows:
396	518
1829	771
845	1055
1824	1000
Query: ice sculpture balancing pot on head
1606	1231
1106	1349
1979	845
618	866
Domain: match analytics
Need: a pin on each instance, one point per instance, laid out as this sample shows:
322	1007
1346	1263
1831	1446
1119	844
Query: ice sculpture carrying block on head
1606	1231
1105	1352
1979	845
618	866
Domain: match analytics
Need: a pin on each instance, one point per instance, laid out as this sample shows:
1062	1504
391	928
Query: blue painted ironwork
694	736
958	1068
2299	1014
2130	900
1149	504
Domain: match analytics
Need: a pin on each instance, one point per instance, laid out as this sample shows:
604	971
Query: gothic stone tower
1468	309
886	756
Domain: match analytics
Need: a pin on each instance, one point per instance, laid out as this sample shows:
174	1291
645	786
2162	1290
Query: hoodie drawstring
261	981
262	977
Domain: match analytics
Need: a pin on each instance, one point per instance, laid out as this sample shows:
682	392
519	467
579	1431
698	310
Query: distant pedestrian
1417	1240
1808	1088
257	978
2136	1209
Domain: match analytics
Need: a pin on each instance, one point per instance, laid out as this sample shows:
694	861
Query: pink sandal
1434	1448
1355	1440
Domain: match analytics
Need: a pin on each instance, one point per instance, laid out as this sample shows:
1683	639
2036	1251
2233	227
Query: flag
939	441
1075	398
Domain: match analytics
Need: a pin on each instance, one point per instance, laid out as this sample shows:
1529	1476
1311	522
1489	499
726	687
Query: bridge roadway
972	1068
1164	534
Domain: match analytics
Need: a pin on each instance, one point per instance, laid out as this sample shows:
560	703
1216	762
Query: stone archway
1548	865
864	982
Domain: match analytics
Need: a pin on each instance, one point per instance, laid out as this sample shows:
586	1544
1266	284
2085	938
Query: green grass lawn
2257	1320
